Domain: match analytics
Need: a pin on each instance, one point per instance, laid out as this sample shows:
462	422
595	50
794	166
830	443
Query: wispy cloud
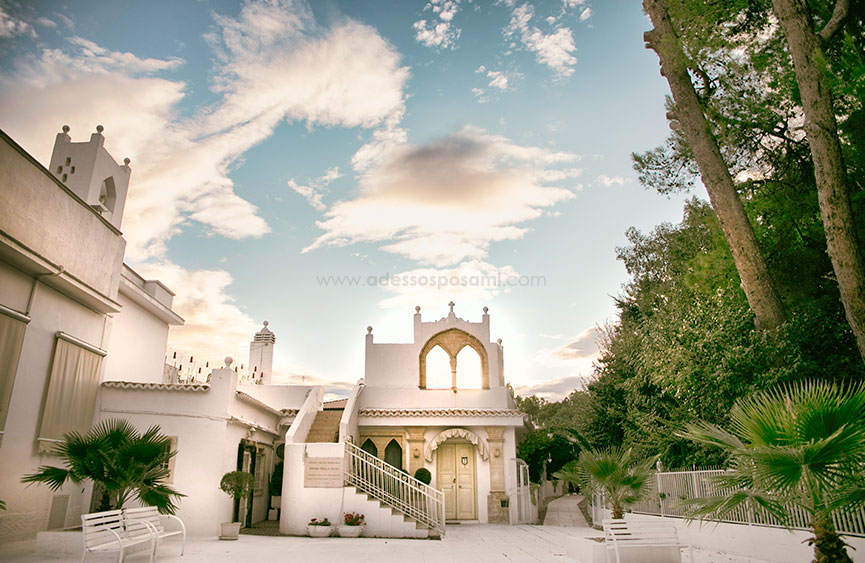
609	181
274	63
313	191
554	49
438	31
13	25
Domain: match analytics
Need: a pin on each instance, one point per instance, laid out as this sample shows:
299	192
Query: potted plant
352	526
319	528
236	484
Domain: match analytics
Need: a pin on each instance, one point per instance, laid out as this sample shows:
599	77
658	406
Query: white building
72	315
440	403
83	338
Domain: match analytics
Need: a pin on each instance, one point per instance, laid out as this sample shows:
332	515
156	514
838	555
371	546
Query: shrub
423	475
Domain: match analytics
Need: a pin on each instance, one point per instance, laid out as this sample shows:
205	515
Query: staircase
325	427
395	490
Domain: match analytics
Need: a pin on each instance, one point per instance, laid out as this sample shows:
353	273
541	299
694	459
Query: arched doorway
369	447
393	454
456	477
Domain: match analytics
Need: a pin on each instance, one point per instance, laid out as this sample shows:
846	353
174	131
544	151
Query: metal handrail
399	490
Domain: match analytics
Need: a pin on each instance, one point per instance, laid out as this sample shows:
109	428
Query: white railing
670	488
399	490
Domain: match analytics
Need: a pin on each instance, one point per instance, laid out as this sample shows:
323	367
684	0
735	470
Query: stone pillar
498	514
415	448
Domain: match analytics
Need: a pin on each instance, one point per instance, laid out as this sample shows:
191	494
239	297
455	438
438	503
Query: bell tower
92	173
261	356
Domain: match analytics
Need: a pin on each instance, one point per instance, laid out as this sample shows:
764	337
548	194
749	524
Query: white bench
150	516
639	537
107	531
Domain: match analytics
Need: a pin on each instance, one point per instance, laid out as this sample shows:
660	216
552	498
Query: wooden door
457	480
465	462
447	478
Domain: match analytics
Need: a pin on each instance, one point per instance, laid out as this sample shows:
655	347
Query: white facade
465	437
62	280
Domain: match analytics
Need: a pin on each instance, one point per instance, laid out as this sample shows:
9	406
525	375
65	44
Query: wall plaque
323	472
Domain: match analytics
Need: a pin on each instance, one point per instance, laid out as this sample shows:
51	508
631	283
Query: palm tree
801	444
622	477
124	463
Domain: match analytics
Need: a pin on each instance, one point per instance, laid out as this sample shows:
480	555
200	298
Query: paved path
565	512
465	543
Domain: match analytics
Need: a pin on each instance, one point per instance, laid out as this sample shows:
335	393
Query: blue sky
277	144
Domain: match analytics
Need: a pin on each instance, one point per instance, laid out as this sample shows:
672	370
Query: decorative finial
100	129
126	161
369	330
486	310
451	305
499	341
417	309
65	128
266	323
228	361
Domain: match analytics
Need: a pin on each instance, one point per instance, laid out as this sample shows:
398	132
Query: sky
328	166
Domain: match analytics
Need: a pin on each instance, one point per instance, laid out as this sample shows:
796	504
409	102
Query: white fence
670	488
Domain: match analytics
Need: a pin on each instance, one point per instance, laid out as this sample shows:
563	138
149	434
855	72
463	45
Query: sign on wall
323	472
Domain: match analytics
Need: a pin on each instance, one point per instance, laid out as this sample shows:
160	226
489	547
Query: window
11	337
438	369
469	372
258	477
169	463
72	386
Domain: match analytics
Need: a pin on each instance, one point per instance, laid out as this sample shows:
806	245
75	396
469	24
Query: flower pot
319	531
349	531
229	530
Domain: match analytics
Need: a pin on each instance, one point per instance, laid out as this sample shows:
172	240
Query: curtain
11	338
71	397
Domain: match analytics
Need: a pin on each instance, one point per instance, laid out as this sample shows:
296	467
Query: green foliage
423	475
802	443
127	465
275	485
236	484
685	347
619	474
543	447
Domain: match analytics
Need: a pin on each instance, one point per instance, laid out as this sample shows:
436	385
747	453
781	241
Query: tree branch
842	8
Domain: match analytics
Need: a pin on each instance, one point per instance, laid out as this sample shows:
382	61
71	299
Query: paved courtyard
475	543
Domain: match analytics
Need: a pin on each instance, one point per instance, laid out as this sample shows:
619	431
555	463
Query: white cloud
314	190
447	201
608	181
215	326
274	63
438	32
573	3
585	14
554	389
12	26
480	94
553	49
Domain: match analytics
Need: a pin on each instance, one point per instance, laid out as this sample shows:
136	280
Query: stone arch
452	341
108	194
393	454
370	447
457	433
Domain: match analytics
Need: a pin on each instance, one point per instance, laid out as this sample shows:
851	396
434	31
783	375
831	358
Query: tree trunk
828	545
758	287
809	62
618	513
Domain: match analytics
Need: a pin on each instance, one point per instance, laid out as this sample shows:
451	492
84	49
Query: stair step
325	427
